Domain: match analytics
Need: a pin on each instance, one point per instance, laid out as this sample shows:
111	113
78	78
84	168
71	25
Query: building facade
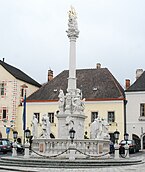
13	85
104	98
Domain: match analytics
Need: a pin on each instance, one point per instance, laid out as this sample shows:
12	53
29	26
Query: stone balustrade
51	147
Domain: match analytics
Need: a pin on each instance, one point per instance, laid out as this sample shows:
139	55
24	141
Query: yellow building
104	97
13	84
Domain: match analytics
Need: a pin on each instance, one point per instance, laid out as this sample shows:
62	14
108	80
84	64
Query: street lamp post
27	144
72	146
116	146
15	134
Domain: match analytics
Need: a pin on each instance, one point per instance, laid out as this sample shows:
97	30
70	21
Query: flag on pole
24	113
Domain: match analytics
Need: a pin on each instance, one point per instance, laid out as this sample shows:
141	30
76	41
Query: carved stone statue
99	129
94	129
72	24
68	108
34	127
45	127
78	104
61	101
105	127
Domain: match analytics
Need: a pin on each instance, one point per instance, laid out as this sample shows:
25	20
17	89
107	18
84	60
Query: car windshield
5	142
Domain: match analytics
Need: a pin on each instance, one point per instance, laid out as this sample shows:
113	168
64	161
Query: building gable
18	74
138	85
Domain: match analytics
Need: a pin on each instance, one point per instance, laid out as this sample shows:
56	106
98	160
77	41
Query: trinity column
71	105
72	34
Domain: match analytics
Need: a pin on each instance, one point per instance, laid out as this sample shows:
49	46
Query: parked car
133	147
5	146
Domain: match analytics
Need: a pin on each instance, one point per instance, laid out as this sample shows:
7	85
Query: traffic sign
7	130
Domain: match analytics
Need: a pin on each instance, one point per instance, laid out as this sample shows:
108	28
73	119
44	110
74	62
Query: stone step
53	163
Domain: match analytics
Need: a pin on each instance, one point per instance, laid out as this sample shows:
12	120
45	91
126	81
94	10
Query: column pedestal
116	146
72	152
26	154
14	151
126	150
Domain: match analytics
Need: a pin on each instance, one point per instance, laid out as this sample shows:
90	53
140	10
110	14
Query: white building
135	109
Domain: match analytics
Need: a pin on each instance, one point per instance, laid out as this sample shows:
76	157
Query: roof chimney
3	59
98	65
138	73
50	75
127	83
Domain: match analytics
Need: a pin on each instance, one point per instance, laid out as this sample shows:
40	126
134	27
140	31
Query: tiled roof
138	85
19	74
94	83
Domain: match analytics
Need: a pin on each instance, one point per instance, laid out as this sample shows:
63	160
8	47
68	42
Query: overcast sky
112	32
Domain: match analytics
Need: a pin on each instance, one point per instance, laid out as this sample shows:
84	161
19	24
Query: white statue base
66	122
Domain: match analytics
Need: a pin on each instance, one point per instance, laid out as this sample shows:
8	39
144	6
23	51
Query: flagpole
24	111
24	115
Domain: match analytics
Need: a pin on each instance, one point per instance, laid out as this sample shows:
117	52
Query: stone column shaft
72	65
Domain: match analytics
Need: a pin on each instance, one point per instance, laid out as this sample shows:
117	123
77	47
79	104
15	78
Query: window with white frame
111	116
37	115
4	115
94	115
2	89
51	117
142	109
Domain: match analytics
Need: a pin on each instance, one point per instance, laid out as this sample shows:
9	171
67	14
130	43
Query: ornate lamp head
15	134
72	134
116	136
